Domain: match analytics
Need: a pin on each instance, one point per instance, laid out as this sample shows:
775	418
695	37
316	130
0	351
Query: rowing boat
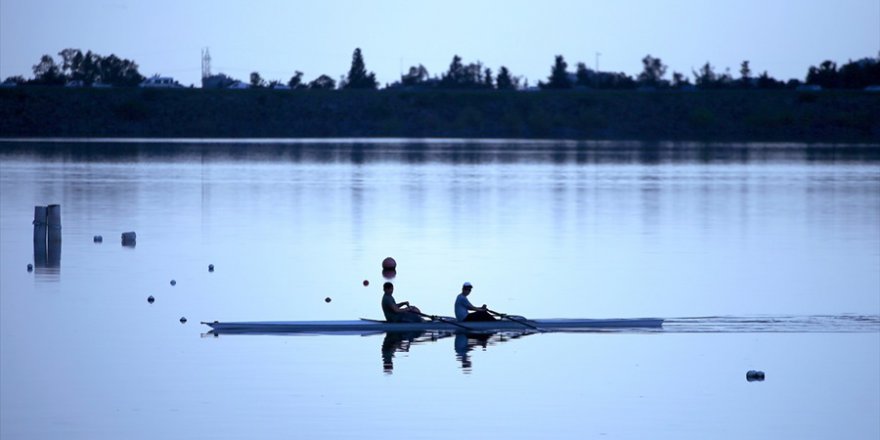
442	324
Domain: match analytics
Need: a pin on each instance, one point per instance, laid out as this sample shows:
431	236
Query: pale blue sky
277	37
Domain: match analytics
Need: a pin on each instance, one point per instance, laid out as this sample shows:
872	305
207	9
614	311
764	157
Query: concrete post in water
54	234
40	213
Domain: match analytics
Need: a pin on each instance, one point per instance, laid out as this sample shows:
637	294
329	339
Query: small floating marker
98	239
173	283
30	267
366	283
327	299
755	375
129	239
150	299
183	319
210	268
389	264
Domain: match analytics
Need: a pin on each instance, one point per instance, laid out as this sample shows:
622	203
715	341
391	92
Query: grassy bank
734	115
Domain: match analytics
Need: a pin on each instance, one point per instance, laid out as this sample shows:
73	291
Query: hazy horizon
276	38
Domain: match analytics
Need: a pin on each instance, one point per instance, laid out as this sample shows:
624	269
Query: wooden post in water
53	217
40	226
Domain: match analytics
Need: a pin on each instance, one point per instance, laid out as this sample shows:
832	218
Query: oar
518	321
441	319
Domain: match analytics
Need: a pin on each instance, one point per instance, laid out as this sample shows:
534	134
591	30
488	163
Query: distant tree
118	72
358	77
417	75
725	80
488	80
257	81
46	72
323	82
706	77
504	81
745	74
825	75
295	81
793	83
70	61
679	80
584	76
765	81
558	78
859	74
461	76
652	72
455	76
17	79
88	70
473	77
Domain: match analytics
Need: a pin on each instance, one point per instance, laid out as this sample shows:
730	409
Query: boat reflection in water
465	342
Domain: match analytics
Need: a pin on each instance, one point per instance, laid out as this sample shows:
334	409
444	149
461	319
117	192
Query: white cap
467	284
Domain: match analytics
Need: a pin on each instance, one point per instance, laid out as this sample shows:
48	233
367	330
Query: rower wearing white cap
463	306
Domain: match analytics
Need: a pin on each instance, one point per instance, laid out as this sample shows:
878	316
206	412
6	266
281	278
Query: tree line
93	69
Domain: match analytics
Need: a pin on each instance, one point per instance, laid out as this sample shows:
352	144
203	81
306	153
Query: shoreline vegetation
785	115
88	95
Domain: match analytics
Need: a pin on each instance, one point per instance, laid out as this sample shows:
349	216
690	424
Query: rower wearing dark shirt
398	312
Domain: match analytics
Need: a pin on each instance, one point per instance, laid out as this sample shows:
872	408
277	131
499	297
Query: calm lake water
760	257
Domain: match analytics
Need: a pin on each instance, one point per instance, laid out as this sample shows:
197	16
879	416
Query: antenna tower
206	63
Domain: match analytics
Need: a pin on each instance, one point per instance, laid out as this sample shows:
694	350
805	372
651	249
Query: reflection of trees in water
465	342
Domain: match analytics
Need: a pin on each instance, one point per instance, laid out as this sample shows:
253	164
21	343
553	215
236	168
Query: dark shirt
388	305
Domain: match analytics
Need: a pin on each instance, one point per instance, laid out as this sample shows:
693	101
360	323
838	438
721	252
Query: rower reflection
400	342
465	342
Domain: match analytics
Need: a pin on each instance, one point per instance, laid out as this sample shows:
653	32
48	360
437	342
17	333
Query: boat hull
445	325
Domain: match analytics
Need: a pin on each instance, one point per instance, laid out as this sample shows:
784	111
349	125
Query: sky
277	37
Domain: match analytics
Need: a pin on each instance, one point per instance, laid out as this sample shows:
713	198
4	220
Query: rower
463	305
398	312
